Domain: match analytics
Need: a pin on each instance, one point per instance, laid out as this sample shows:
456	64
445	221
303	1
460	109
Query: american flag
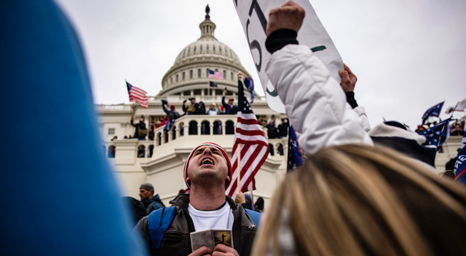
137	95
254	147
215	74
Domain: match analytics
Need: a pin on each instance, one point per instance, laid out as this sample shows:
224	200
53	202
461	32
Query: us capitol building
160	161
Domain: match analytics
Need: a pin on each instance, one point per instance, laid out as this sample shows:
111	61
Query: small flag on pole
215	75
433	111
137	95
460	165
212	84
253	147
437	135
294	156
250	85
460	106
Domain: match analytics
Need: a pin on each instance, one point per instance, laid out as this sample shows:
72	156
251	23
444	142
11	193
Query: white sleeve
363	118
314	101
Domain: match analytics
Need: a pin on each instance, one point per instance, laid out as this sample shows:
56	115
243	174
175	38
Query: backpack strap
158	222
154	202
255	217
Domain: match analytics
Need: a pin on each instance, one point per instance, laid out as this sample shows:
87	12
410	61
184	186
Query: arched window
191	74
213	47
159	139
181	127
151	150
280	149
194	50
183	76
217	127
200	48
193	128
207	48
229	127
231	76
224	74
141	151
220	49
205	128
111	151
171	80
173	132
271	151
189	50
199	73
226	50
176	77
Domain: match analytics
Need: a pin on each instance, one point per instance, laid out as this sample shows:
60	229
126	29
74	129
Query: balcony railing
195	128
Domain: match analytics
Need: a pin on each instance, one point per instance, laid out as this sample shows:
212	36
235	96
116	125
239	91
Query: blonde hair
360	200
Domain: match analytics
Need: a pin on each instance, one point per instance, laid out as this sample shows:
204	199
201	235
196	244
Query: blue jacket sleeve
59	194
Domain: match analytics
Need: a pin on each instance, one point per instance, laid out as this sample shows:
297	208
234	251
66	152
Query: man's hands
222	249
288	16
239	198
201	251
348	79
219	250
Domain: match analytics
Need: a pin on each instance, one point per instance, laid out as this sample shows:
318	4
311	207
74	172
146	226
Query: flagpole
239	149
252	200
239	170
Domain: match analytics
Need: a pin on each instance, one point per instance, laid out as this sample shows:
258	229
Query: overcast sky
408	55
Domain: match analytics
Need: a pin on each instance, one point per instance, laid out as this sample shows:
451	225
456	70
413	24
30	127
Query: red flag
253	147
137	95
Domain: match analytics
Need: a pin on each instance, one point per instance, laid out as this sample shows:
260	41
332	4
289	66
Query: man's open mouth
207	161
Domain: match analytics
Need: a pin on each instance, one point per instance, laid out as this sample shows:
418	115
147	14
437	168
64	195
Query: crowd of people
360	191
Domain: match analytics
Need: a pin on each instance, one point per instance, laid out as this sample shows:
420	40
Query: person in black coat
230	109
141	125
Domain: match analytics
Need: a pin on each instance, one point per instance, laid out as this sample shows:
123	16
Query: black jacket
172	115
138	126
176	240
229	111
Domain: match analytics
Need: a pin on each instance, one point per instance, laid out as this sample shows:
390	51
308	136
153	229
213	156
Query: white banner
253	15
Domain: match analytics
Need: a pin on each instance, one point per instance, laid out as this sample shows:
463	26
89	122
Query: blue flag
433	111
437	135
294	156
250	85
460	165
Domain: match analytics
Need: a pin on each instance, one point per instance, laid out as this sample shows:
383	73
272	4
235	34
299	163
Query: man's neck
206	199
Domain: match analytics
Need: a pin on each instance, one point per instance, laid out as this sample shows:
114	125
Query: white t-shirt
216	219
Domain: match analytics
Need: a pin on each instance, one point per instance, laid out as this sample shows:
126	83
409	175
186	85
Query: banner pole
238	186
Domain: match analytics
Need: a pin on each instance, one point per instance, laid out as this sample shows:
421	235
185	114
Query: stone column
125	151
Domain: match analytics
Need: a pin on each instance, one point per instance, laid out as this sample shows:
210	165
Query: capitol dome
189	71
